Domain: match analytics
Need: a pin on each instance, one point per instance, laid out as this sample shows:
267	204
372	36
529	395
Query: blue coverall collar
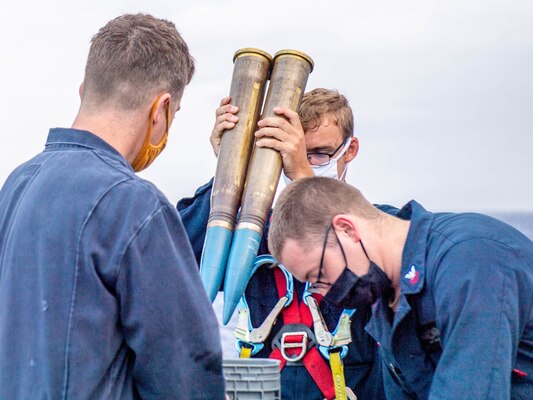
59	138
413	259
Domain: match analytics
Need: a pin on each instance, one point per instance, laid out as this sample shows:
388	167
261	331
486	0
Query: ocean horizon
523	221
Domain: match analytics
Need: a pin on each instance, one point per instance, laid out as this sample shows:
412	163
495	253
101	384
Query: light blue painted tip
240	264
214	256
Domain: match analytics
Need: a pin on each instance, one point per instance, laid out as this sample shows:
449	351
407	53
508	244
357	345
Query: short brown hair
307	206
133	58
320	103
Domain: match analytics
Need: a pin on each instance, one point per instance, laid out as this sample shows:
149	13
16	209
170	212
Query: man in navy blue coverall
321	133
99	286
452	293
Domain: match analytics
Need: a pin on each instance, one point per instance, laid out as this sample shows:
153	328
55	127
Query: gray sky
441	90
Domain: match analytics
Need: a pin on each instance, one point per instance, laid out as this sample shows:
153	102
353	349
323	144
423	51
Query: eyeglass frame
322	284
330	155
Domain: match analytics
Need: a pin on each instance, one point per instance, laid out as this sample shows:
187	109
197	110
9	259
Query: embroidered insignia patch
412	276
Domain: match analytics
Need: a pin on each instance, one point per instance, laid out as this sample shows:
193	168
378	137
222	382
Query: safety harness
304	337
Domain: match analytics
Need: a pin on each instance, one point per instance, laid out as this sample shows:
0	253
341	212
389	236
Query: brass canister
287	86
250	74
289	76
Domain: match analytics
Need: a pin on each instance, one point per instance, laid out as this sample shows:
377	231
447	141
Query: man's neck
121	131
393	238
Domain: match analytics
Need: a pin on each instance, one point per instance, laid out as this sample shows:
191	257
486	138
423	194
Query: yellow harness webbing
246	352
337	370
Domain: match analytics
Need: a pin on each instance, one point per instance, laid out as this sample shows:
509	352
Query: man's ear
346	224
352	151
161	108
80	91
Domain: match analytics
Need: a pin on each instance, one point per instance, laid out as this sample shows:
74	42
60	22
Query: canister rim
252	51
291	52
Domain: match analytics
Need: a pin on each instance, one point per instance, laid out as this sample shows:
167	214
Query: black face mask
351	291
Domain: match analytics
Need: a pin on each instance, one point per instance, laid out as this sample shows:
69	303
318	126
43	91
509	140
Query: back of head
320	103
132	59
307	206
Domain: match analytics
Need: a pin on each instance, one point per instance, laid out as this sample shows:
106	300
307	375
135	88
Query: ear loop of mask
364	250
344	150
342	249
148	151
149	134
330	227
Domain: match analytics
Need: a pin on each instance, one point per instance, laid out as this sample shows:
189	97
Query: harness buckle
285	345
282	341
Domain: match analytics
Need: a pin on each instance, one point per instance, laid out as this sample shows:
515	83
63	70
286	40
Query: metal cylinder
250	74
287	85
289	76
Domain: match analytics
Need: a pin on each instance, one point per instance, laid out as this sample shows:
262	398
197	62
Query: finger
272	144
226	117
275	122
219	130
225	101
275	133
225	109
292	116
284	148
226	125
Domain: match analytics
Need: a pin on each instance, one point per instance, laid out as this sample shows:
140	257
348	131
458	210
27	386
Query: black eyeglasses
319	284
319	158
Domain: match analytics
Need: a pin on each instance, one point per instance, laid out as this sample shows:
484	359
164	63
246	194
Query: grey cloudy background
441	90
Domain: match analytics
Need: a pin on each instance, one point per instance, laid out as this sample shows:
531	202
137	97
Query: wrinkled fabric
99	287
362	371
476	273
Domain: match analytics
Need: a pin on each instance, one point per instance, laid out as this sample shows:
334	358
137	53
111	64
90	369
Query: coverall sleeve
477	312
194	212
167	319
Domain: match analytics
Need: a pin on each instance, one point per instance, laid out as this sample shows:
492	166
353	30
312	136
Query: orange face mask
149	152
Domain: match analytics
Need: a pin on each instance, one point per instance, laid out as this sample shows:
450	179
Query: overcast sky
442	91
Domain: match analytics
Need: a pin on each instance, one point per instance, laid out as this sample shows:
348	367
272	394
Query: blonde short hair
307	206
321	103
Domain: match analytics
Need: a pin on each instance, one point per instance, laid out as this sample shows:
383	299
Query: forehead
326	135
299	259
